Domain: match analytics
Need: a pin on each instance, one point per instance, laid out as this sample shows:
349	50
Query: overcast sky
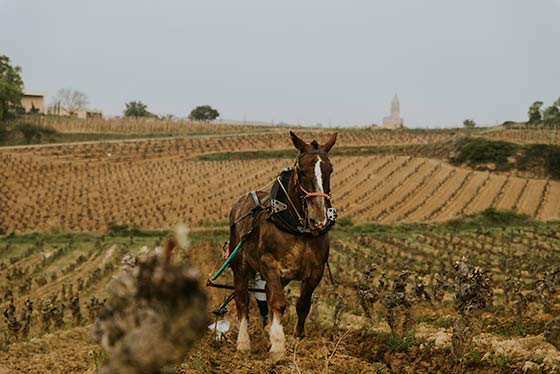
307	62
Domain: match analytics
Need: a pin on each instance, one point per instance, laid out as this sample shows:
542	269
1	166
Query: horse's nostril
315	223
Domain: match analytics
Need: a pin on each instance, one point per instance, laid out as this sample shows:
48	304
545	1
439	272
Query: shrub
553	163
4	132
494	217
476	152
33	132
546	156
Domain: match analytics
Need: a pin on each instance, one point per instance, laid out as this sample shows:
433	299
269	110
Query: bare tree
70	100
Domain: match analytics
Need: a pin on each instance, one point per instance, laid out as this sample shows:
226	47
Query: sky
295	61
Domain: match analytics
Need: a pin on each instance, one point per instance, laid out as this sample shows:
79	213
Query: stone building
394	121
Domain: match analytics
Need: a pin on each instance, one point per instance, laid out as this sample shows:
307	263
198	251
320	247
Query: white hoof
243	340
243	346
277	338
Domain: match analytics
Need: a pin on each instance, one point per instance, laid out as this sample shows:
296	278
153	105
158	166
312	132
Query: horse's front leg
241	281
277	303
303	305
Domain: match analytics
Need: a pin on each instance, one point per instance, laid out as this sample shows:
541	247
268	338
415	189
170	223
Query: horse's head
313	173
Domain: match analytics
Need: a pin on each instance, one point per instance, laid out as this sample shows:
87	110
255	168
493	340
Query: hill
74	214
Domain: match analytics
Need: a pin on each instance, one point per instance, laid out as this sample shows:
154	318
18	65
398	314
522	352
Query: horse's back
240	216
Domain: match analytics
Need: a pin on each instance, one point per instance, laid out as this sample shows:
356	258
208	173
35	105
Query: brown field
340	338
71	194
155	184
189	146
142	126
526	136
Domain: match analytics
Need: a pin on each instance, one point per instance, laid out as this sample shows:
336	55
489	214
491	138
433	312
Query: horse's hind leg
241	280
304	302
276	302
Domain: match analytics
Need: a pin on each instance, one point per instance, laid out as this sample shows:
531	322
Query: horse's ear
299	143
329	144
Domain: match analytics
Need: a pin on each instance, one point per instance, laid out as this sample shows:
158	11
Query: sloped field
187	147
47	192
154	184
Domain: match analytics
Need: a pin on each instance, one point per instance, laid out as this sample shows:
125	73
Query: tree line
200	113
70	101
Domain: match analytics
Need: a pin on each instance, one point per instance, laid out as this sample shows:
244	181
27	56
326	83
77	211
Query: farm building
33	99
78	113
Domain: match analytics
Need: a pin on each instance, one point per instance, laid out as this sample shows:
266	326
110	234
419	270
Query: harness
285	215
281	211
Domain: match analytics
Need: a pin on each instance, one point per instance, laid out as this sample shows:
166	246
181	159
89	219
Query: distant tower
395	107
394	121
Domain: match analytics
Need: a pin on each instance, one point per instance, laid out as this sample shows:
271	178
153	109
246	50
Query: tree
11	88
469	124
535	112
204	113
552	113
136	109
71	100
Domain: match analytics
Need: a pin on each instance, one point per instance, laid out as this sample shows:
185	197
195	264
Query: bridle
297	190
298	184
314	194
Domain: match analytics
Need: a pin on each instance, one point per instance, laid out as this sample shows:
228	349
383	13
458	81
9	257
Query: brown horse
281	256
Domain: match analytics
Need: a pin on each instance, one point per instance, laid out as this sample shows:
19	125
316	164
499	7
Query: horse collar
283	214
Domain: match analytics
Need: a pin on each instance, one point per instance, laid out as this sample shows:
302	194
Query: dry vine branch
154	314
473	287
328	356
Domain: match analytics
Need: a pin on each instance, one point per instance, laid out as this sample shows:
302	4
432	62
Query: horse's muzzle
316	225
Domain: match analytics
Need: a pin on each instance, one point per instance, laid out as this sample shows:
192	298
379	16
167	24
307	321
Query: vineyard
141	125
131	150
527	136
158	183
388	278
431	274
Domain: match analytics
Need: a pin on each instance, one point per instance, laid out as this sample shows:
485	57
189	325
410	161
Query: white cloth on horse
260	284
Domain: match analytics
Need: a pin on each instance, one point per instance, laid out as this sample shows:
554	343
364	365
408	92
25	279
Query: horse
281	254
